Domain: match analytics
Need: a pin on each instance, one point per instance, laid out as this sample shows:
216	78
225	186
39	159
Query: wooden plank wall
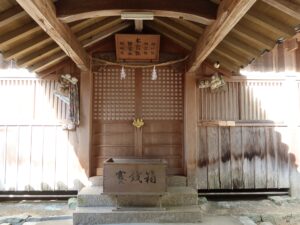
35	153
251	152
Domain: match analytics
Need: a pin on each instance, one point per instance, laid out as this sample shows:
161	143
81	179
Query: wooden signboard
135	176
137	47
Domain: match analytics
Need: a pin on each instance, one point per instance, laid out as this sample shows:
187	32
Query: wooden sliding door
116	103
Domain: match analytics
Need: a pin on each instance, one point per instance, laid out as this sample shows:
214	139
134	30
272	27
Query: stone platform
178	205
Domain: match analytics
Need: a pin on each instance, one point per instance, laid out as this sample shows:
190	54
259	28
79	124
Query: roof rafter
58	57
229	14
183	42
40	40
11	15
288	7
270	23
43	12
81	35
199	11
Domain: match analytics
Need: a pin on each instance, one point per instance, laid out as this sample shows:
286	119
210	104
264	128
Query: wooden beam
270	24
11	15
244	31
198	11
18	34
229	14
43	12
24	48
170	34
190	25
240	59
81	35
44	64
178	29
288	7
245	48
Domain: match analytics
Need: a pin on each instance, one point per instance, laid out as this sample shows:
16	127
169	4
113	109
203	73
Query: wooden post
85	128
190	128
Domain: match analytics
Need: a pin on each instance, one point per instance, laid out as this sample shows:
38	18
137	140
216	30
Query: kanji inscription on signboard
137	47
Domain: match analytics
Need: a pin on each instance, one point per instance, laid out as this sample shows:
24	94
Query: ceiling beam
271	24
186	44
288	7
244	31
80	34
177	28
58	57
236	44
24	48
227	52
198	11
11	15
229	14
43	12
18	34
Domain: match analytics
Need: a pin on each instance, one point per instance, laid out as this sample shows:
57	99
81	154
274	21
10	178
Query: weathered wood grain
202	159
260	158
213	157
248	145
272	158
237	157
283	157
225	158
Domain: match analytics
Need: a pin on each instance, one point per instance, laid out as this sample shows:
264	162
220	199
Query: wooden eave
23	40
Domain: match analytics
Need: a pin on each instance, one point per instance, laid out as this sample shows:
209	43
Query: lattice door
117	102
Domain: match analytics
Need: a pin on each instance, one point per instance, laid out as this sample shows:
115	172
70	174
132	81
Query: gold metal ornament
138	123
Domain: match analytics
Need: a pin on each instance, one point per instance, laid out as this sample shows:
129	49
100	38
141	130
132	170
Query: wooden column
190	128
85	128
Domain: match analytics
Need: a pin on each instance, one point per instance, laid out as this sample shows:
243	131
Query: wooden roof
38	34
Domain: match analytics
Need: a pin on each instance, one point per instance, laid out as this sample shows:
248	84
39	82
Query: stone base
176	196
106	215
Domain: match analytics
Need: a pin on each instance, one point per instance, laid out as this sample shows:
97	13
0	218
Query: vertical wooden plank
61	168
272	149
202	158
2	156
248	164
37	149
225	159
49	158
236	157
12	158
283	158
213	157
190	121
24	157
260	158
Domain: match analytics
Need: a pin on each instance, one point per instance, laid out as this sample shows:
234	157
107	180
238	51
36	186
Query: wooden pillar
85	121
190	128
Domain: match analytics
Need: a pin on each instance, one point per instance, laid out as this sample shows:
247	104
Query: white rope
106	62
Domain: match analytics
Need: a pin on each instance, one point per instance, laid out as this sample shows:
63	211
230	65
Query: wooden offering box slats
135	176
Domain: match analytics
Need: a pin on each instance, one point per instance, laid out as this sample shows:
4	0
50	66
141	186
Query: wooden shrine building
214	86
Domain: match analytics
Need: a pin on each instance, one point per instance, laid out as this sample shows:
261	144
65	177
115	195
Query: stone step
176	196
177	181
107	215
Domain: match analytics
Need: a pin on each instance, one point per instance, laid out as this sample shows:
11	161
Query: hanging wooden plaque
137	47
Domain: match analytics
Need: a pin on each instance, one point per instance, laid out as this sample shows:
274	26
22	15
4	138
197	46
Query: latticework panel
162	99
114	99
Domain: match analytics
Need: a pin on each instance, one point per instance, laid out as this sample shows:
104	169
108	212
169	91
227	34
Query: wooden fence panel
2	156
220	105
272	157
242	157
225	162
202	160
237	157
213	158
